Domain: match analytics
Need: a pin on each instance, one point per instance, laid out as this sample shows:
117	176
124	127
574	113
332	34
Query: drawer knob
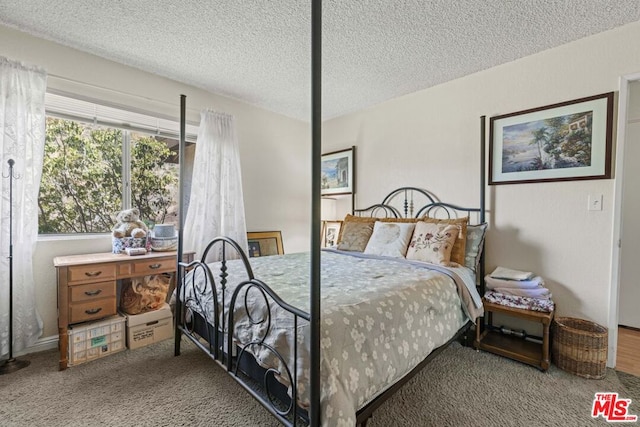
93	273
93	310
93	293
154	266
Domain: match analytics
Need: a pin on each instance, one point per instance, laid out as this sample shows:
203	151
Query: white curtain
22	134
216	206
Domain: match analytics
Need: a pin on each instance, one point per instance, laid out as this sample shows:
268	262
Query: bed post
178	278
316	150
482	194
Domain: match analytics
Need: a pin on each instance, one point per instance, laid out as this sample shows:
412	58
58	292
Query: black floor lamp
11	364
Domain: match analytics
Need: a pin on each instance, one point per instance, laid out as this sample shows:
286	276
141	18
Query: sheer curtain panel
216	206
22	134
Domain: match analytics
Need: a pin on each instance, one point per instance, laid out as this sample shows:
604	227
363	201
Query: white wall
430	139
271	146
629	267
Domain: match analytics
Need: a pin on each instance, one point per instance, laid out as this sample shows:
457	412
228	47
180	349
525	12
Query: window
96	166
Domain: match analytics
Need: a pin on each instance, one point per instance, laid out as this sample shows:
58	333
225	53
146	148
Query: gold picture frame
265	243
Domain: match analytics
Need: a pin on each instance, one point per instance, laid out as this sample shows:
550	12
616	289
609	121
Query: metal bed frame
205	328
207	333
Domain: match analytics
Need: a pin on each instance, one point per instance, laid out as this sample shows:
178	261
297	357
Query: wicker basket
579	347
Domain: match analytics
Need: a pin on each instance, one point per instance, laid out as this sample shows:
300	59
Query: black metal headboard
402	202
413	202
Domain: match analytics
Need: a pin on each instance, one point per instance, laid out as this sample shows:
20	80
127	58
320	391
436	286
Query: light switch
595	202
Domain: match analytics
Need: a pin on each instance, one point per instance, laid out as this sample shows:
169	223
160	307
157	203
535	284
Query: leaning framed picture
337	172
330	232
265	243
560	142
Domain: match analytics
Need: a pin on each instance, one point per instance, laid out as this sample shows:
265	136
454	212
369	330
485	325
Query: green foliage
154	179
81	185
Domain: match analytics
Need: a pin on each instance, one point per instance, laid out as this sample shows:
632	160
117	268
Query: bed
383	316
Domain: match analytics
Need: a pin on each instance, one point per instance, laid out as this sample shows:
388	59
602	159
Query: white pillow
390	239
432	243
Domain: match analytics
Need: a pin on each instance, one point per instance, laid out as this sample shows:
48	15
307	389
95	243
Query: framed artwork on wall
265	243
337	172
560	142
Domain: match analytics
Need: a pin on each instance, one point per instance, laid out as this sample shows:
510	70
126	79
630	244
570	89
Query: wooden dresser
87	285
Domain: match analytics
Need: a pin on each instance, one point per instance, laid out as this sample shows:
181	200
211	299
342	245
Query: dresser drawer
124	270
90	310
92	291
154	266
91	273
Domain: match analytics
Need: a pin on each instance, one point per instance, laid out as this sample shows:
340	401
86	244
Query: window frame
66	106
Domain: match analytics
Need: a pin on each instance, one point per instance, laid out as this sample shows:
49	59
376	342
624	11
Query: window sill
67	237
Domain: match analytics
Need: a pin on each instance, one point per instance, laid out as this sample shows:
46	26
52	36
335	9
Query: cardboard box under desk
93	340
148	328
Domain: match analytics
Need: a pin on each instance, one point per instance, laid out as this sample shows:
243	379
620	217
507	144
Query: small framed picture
265	243
337	172
330	233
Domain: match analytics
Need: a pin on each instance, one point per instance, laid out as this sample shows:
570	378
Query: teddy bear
128	224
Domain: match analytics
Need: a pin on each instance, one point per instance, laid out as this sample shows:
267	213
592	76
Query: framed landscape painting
559	142
337	172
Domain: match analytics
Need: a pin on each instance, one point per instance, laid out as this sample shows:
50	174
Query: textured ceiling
258	51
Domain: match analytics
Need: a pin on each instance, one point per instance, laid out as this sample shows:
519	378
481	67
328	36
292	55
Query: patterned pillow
459	247
355	236
352	218
475	245
390	239
432	242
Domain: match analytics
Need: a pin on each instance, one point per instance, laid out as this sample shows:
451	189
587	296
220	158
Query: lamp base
12	365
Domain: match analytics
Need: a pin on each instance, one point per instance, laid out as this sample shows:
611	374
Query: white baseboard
46	343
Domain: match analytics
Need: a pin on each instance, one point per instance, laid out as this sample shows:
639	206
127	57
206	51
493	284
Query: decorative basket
163	244
579	347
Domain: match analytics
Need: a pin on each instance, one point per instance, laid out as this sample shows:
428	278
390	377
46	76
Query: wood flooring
628	359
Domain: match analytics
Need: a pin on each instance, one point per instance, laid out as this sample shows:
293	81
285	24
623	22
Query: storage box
120	244
94	340
148	328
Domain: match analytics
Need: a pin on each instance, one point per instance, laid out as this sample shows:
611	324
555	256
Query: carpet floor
150	387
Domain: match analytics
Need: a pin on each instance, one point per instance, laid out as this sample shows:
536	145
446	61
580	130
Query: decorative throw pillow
390	239
355	236
414	220
475	245
352	218
459	247
432	242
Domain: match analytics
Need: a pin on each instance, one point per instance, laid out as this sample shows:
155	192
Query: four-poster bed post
316	149
181	216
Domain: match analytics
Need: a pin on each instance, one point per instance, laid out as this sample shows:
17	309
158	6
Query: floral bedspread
380	318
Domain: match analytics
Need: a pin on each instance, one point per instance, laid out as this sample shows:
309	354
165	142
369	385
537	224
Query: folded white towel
510	274
493	283
539	293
